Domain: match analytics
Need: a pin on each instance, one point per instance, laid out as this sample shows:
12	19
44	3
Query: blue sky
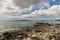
29	9
57	2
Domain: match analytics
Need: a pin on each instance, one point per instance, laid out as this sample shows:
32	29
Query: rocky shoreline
39	31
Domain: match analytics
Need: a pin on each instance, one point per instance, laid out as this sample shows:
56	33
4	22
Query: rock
36	38
39	31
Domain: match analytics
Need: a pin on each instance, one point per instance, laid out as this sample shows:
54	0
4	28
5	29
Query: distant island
21	20
17	20
57	20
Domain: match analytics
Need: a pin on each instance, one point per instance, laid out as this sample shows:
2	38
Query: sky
29	9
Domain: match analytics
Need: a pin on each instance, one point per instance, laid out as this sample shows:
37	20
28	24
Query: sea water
17	24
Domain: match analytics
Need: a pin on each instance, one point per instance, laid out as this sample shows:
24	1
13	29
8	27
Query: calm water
17	24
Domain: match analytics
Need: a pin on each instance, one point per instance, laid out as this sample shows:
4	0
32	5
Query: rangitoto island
57	20
39	31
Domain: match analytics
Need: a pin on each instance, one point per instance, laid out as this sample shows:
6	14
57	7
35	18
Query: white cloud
53	11
7	6
9	10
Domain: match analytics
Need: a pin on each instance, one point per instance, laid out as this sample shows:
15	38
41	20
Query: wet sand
39	31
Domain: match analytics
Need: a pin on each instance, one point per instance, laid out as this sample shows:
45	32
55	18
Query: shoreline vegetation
39	31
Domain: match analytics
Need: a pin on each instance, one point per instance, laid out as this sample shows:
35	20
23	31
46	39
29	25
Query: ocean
12	24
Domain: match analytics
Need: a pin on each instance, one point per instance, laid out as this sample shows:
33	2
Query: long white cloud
52	11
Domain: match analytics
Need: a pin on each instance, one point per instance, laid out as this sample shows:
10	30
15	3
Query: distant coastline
22	20
57	20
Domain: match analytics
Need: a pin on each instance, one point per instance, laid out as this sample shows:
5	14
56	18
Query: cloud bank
25	9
